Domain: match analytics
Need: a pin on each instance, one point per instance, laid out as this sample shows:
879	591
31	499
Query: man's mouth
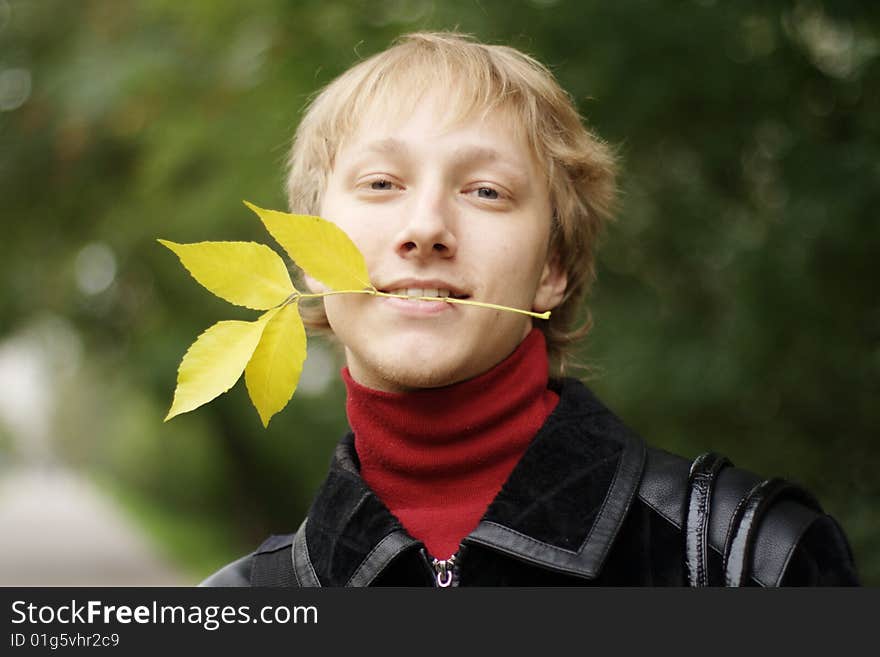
425	292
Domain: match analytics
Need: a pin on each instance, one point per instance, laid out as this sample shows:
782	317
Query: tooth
414	292
443	293
431	292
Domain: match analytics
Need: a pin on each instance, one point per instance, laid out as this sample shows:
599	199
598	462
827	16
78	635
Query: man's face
459	210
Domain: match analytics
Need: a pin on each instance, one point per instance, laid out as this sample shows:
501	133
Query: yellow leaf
273	372
215	361
319	247
244	273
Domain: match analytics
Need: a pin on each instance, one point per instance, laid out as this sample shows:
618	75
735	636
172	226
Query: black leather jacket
588	504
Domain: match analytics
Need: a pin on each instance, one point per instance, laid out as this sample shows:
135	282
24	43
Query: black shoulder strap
701	483
743	528
272	563
747	517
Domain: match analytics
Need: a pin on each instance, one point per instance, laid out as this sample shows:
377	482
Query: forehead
490	134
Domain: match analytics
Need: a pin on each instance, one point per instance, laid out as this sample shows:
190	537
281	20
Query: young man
463	169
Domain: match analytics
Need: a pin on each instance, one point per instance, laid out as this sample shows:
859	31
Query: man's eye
487	192
381	185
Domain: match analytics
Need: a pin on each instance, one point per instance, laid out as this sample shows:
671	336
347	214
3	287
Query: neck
437	457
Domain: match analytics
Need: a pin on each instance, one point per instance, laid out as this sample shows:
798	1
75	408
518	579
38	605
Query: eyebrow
388	146
393	146
461	156
483	154
476	154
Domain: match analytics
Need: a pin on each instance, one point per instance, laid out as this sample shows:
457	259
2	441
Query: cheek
363	239
341	313
520	261
336	207
353	221
367	245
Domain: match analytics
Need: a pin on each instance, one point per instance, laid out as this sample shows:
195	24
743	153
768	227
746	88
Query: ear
551	287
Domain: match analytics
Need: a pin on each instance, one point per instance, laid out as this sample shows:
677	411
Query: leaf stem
376	293
318	295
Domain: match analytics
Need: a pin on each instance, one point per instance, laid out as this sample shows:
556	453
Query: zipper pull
443	571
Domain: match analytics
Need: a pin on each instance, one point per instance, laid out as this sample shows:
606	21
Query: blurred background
737	303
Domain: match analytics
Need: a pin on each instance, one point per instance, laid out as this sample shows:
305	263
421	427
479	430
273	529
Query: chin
400	374
421	373
402	360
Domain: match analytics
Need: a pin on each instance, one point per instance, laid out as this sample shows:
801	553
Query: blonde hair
580	167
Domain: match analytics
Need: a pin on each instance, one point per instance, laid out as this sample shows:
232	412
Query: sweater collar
440	419
437	457
560	509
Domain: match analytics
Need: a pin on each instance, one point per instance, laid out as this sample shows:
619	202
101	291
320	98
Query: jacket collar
560	509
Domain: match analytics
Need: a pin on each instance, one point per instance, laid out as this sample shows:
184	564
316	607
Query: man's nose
428	229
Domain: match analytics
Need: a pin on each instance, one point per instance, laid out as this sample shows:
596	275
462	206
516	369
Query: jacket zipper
442	570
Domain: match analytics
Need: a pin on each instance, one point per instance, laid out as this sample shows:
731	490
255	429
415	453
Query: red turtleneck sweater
437	457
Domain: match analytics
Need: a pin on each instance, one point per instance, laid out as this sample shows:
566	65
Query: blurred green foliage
736	308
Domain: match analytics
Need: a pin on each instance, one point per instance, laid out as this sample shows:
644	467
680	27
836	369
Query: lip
417	307
433	283
420	308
